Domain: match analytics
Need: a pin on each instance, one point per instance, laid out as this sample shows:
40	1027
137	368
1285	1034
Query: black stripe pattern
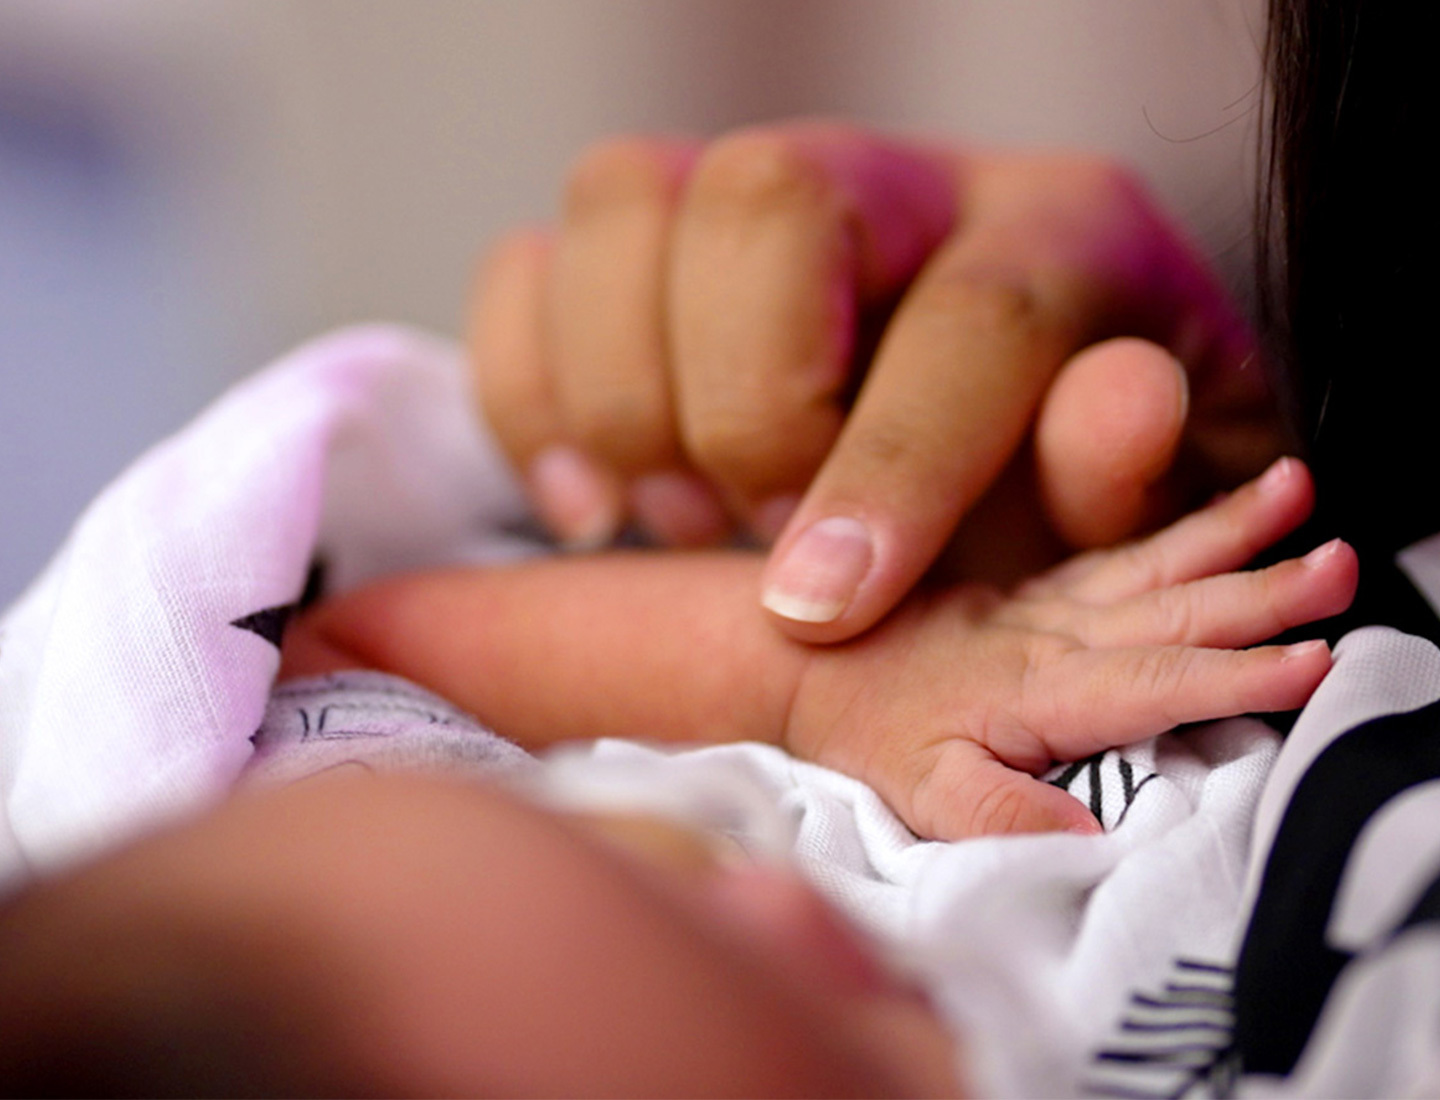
1287	963
1107	782
1174	1041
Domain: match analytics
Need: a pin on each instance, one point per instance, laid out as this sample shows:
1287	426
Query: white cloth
134	672
382	723
126	694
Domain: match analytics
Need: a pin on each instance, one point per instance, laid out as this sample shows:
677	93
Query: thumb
1106	439
971	794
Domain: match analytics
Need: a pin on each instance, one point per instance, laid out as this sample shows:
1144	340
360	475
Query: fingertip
1086	826
1287	490
1336	567
678	509
813	577
1292	677
1035	806
1301	590
1064	813
829	578
512	268
1106	435
1281	476
1056	817
578	500
1312	651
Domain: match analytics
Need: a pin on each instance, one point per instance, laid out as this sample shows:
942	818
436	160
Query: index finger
1050	255
788	237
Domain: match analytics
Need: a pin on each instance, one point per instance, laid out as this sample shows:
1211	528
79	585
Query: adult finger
606	308
786	236
578	499
1100	468
507	346
1049	257
607	328
1105	437
1236	609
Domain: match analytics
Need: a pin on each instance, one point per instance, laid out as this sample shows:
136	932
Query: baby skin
951	708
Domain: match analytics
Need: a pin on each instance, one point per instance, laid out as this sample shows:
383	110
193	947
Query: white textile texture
127	691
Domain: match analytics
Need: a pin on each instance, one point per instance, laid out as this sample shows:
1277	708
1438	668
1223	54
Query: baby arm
667	646
949	709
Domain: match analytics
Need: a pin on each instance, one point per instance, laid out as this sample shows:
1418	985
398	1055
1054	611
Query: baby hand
952	707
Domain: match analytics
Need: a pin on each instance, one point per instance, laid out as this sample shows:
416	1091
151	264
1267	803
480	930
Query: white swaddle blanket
135	670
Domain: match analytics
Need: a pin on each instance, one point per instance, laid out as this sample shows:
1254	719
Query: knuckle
988	303
887	445
1156	676
1271	600
740	448
896	448
620	172
959	796
928	809
1045	651
1143	566
1043	701
1099	179
757	174
1099	184
895	457
1177	614
1236	528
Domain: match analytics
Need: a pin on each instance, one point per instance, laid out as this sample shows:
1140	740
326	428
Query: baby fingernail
574	497
1276	475
1304	649
818	576
1320	554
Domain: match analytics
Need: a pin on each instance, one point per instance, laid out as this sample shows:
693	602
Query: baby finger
970	793
1102	698
1235	609
1223	536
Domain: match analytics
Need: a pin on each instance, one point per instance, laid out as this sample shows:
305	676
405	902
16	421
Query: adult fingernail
678	509
821	570
574	498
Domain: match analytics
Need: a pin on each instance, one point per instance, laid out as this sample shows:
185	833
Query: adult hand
843	340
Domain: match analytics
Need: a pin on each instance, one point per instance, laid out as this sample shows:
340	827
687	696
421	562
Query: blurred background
188	187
